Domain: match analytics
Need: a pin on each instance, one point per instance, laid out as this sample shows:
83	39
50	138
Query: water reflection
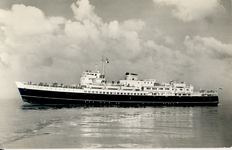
163	126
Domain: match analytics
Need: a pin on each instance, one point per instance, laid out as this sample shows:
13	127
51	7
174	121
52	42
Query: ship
94	89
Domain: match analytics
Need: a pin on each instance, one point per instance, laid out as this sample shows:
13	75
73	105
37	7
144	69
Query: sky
50	40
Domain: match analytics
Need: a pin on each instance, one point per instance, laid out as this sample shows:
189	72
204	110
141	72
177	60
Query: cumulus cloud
83	10
213	59
33	41
192	10
208	46
24	20
55	48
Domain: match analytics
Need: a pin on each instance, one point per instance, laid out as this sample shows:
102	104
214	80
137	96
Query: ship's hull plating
52	97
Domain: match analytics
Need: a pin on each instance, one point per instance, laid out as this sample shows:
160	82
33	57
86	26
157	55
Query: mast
95	66
104	60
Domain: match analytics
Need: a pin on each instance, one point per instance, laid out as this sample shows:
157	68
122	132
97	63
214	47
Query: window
160	88
166	88
110	92
181	89
103	92
107	92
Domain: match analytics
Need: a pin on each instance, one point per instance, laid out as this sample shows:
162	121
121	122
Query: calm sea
36	126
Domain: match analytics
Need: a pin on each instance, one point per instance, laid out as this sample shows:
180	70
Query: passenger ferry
95	90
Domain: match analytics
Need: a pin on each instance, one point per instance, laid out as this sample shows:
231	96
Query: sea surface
23	125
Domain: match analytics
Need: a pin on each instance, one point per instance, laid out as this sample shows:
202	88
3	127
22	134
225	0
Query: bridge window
160	88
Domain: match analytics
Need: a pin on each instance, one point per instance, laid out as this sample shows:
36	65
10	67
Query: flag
104	59
220	88
107	60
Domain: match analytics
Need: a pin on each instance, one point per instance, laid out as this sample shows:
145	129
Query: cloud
192	10
55	48
24	20
83	10
33	41
213	59
133	25
208	46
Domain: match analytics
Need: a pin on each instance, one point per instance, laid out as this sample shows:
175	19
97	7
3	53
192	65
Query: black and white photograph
97	74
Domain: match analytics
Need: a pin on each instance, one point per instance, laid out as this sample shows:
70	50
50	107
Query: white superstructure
94	80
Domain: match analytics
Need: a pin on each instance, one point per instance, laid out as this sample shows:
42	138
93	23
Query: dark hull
51	97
